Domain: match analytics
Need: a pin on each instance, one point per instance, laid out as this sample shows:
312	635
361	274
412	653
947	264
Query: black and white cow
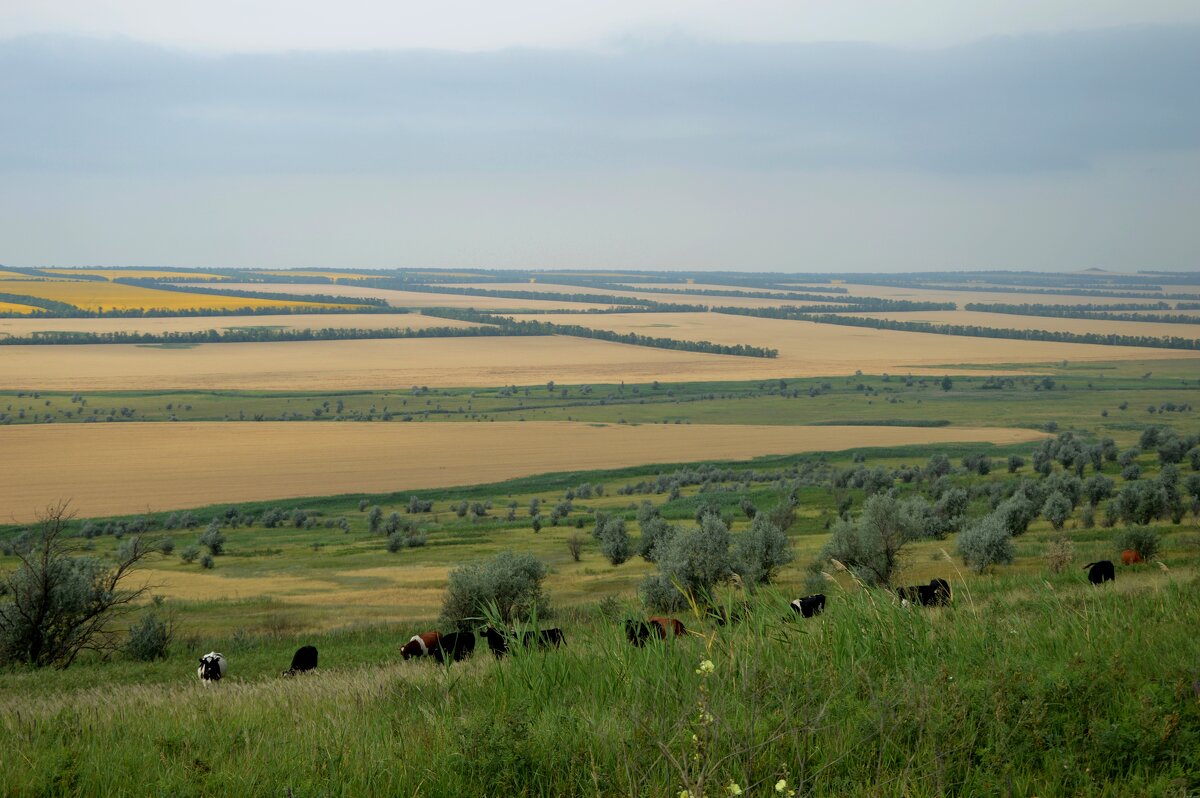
212	667
305	659
808	606
1101	572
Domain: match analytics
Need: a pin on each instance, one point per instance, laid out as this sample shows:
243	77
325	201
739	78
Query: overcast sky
856	135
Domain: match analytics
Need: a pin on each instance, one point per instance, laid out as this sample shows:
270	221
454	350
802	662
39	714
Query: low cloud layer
977	126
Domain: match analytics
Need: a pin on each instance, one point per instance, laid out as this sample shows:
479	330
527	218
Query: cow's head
210	667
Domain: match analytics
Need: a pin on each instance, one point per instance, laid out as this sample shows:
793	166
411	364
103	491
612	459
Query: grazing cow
498	642
935	594
454	646
305	659
1130	557
545	638
639	632
420	645
212	667
1100	572
810	605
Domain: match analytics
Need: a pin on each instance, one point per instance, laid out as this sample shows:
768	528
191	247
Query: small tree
1141	539
57	603
375	519
870	547
213	538
761	551
690	564
614	540
985	543
1057	509
575	545
510	582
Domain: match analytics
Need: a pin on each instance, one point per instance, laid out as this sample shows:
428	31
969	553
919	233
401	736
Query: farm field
336	276
963	297
140	274
13	307
96	295
1008	320
167	324
411	299
108	469
812	349
682	299
806	349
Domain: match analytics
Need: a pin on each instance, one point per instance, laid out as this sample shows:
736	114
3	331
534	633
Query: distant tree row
252	335
976	331
512	327
1088	312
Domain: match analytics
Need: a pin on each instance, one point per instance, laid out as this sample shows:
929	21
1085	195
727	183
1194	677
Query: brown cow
422	645
664	627
1130	557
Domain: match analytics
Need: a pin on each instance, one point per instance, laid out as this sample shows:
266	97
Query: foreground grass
1026	686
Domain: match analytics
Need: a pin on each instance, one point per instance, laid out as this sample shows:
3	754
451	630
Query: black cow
1100	572
546	638
454	646
305	659
935	594
809	606
639	632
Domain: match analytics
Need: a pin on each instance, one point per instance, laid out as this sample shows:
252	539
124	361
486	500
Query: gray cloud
1008	105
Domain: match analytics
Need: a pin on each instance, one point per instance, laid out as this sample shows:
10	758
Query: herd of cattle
456	646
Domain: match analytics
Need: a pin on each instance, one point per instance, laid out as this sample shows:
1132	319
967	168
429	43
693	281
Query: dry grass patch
108	469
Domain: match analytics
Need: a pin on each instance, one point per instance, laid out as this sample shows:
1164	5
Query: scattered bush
189	554
690	564
985	543
1141	539
150	638
761	551
1061	555
207	561
509	583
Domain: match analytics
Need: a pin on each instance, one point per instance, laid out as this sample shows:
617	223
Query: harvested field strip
681	299
411	299
963	297
107	469
806	350
95	295
20	328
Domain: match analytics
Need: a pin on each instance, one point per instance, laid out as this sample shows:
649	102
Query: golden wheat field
96	295
811	349
806	350
7	275
106	469
140	274
411	299
165	324
13	307
1010	321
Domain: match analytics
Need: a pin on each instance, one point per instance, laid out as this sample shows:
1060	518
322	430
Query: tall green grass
1026	686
